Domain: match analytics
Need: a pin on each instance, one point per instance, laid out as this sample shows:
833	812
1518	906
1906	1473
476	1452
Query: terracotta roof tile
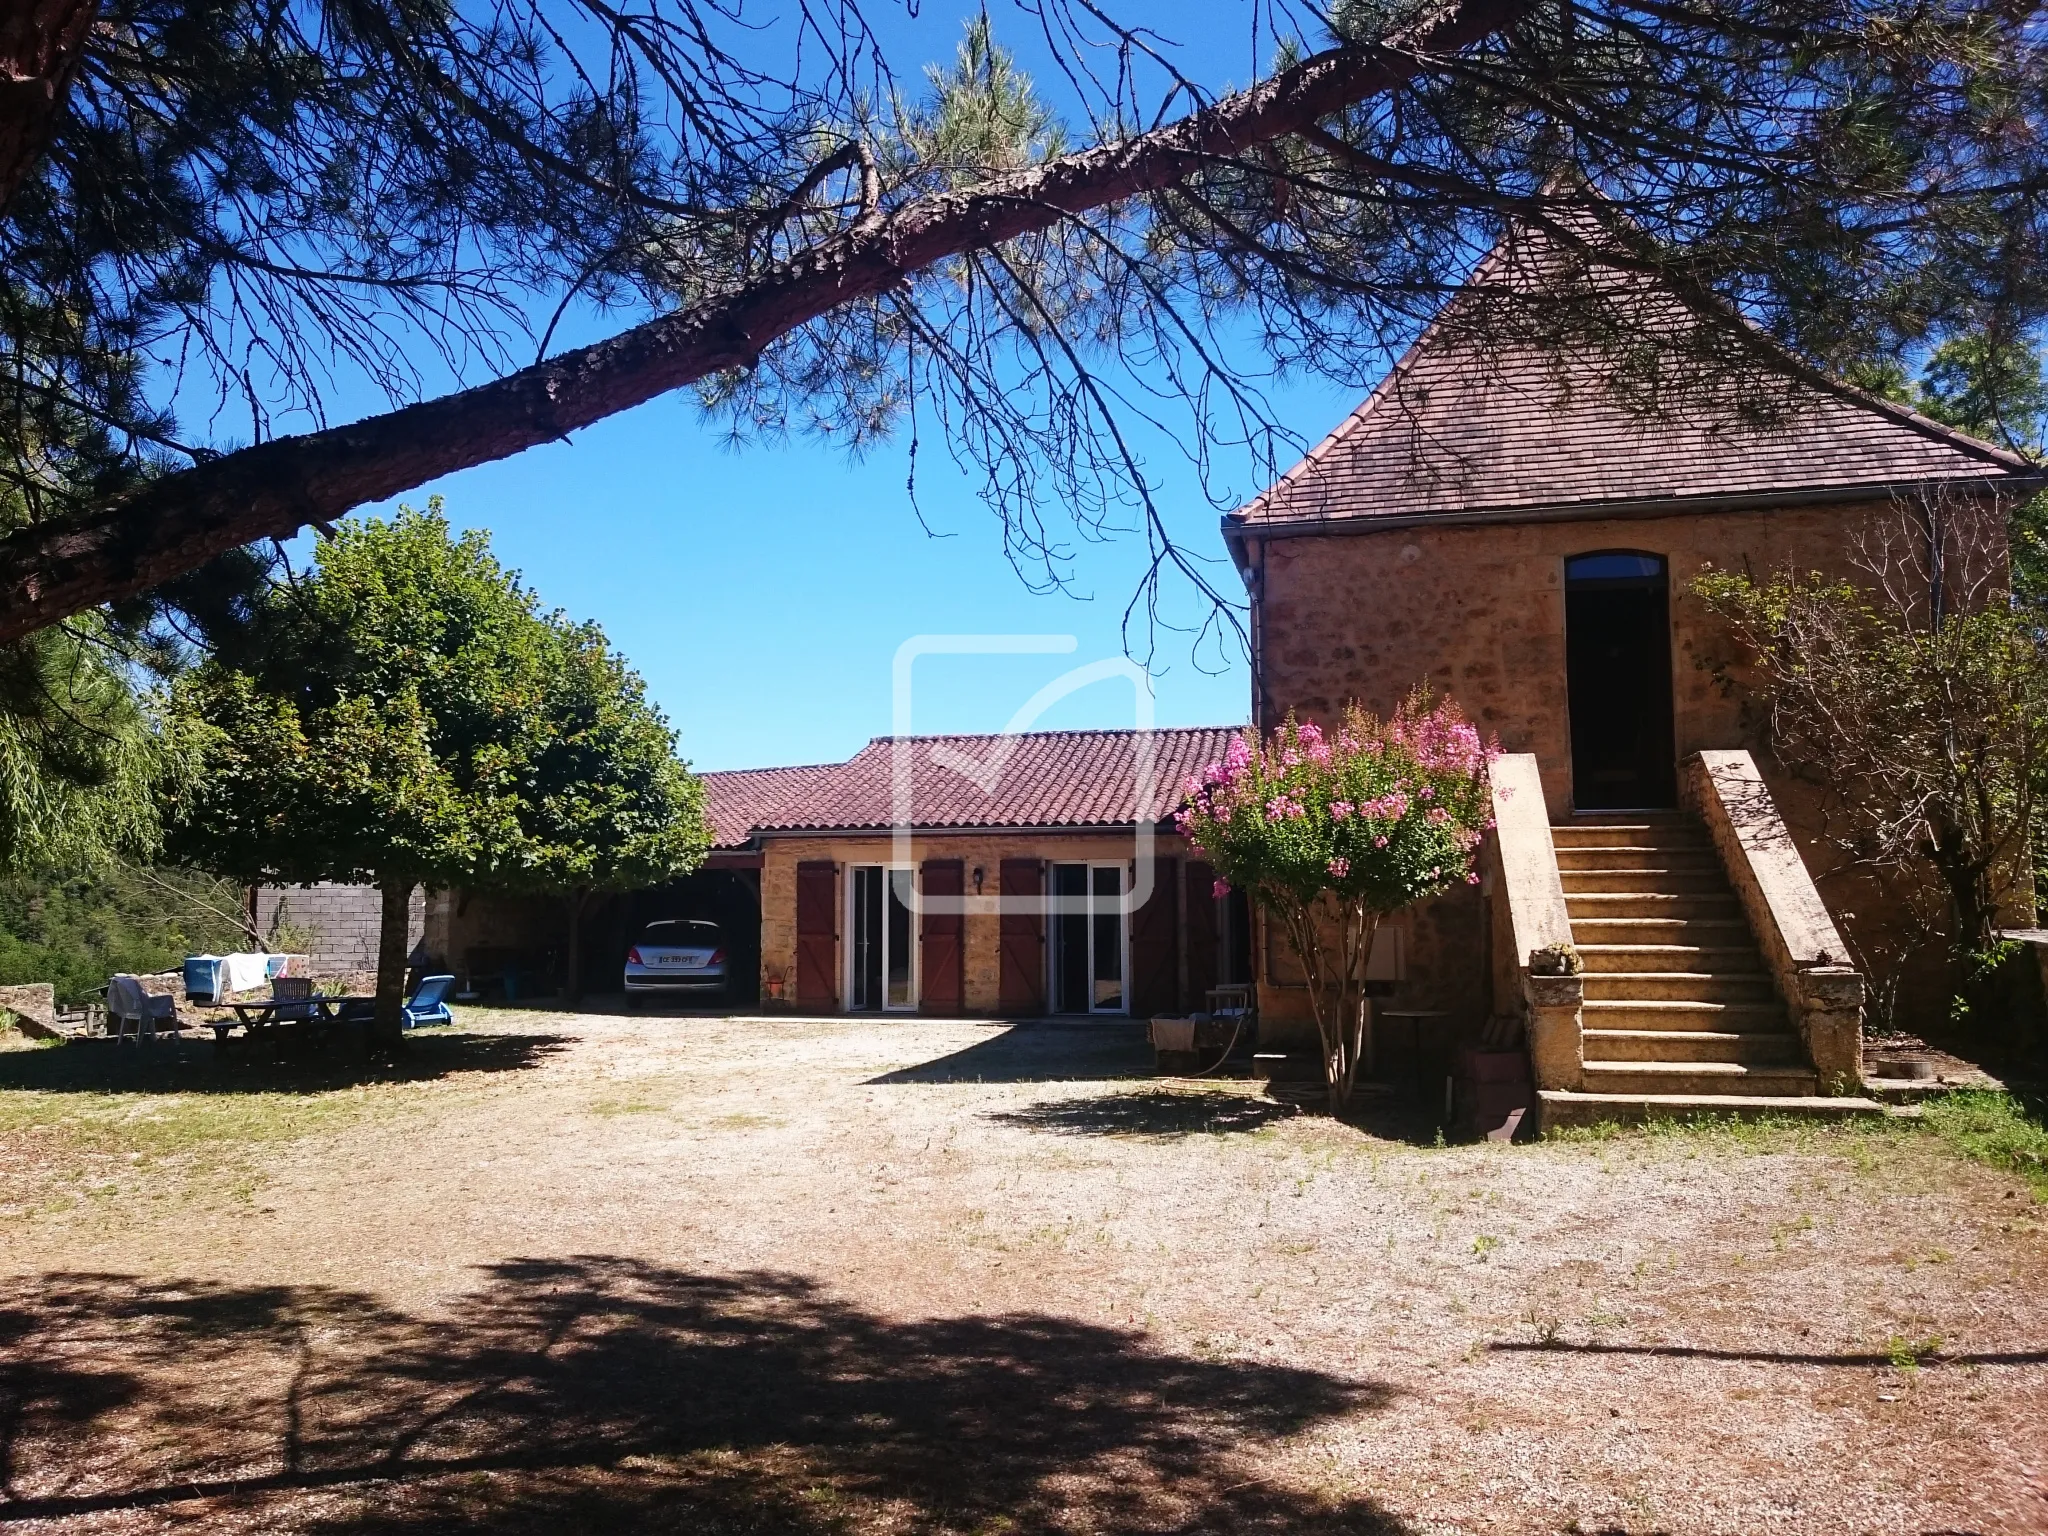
736	800
1033	779
1462	425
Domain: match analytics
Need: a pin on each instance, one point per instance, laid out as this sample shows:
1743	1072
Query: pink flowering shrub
1332	834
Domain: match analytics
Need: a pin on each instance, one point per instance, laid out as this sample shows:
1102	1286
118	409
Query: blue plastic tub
202	977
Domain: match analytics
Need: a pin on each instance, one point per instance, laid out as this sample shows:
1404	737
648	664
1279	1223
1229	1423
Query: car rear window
694	932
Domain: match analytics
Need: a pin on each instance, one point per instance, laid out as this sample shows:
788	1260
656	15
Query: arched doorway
1617	622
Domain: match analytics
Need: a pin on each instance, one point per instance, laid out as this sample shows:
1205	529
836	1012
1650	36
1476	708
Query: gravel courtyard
584	1273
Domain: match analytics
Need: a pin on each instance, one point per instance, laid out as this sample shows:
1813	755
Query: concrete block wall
342	919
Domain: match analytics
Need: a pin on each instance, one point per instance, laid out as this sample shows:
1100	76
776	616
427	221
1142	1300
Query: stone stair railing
1802	948
1529	919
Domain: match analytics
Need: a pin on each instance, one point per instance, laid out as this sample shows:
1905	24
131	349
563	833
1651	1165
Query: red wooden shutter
1155	949
1021	989
1203	950
817	949
942	979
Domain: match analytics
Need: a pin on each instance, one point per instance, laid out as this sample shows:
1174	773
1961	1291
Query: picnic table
260	1018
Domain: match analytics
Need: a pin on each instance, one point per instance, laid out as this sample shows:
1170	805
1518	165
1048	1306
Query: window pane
1613	566
1070	938
867	937
899	938
1108	994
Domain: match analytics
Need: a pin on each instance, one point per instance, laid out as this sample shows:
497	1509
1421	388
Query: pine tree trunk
41	45
394	926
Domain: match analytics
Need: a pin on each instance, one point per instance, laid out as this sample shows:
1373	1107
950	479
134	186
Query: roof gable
1465	425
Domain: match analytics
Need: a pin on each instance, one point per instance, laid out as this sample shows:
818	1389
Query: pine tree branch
271	490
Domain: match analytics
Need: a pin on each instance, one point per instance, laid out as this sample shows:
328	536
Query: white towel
241	971
1173	1034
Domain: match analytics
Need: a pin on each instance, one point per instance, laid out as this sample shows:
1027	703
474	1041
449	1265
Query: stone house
1014	875
1494	522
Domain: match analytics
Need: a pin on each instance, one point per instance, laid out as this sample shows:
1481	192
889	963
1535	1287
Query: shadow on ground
1046	1051
100	1065
608	1394
1157	1112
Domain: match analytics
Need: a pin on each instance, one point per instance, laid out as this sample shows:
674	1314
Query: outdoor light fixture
977	879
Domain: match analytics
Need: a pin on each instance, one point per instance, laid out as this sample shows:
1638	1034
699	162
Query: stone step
1763	1080
1725	960
1702	858
1678	986
1655	1013
1662	834
1580	882
1595	905
1613	1045
1559	1108
1719	932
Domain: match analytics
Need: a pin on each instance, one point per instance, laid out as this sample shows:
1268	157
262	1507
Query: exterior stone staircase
1680	1011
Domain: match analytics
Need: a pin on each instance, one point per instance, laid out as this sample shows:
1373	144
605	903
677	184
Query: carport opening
724	896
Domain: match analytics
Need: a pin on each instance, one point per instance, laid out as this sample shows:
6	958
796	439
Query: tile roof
1031	779
1472	422
737	800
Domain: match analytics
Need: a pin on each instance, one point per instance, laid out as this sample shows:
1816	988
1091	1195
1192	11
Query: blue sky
763	592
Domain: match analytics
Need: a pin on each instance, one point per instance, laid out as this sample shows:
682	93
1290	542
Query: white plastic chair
131	1003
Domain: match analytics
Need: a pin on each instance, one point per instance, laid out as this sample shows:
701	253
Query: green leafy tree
406	715
1332	835
85	759
602	802
75	929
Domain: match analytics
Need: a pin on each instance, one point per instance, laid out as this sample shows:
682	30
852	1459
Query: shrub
1331	834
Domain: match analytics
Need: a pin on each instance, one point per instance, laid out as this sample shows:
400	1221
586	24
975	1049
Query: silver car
676	958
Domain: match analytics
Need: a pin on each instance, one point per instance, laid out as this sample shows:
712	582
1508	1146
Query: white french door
882	959
1090	939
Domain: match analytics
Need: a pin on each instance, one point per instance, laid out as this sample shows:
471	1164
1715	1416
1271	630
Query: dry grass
587	1274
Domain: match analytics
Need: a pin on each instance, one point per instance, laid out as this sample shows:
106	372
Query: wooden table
259	1019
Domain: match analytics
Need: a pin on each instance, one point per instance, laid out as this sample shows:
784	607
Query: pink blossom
1340	867
1428	792
1339	809
1380	841
1472	877
1220	889
1438	816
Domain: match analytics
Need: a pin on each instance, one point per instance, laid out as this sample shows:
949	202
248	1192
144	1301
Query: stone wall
342	921
982	958
1478	612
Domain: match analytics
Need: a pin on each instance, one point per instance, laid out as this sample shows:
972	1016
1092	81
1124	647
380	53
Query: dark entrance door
1617	622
